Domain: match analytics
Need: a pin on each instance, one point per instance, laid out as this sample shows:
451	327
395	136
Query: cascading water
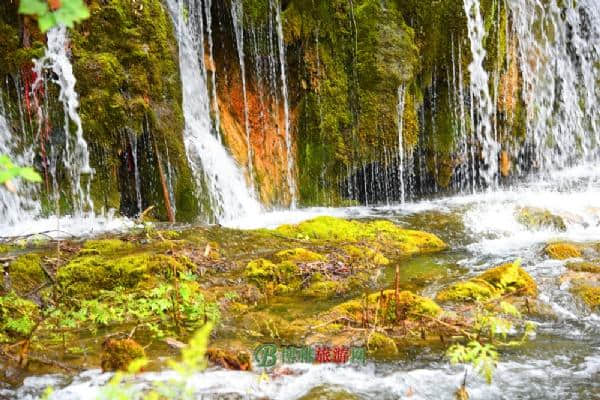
481	100
400	110
286	111
559	58
211	164
237	17
74	156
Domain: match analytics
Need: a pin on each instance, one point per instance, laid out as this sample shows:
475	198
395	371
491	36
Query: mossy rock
404	241
589	294
298	255
26	273
262	271
495	282
17	317
410	306
364	254
105	246
239	360
585	266
381	345
537	218
117	354
326	289
562	251
86	274
329	393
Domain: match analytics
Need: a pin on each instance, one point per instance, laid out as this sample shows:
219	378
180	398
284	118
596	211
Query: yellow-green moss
467	291
26	273
117	354
340	230
325	289
263	271
538	218
562	251
105	246
85	275
411	306
381	345
506	278
585	266
589	294
365	254
298	255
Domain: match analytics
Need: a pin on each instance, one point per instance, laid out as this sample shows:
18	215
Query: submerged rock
563	251
538	218
117	354
495	282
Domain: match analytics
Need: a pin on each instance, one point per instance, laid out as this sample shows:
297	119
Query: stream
562	360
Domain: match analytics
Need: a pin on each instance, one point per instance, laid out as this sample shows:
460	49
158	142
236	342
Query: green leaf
33	7
46	22
30	174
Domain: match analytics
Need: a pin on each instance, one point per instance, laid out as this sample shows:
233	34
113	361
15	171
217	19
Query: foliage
55	12
482	357
9	171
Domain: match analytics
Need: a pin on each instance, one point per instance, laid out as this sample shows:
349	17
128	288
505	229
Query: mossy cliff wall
125	59
345	62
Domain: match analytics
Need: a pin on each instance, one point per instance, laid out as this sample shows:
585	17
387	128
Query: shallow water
561	362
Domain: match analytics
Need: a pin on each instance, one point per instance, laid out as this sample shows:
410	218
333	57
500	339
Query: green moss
537	218
562	251
325	289
495	282
381	345
589	294
261	272
105	246
298	255
404	241
117	354
585	266
85	275
365	255
410	306
26	273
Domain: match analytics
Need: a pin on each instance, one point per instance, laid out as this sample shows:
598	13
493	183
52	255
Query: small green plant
55	12
9	171
482	357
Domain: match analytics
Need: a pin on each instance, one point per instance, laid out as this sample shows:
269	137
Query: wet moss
26	273
365	255
562	251
589	294
263	272
504	279
537	218
381	345
585	266
298	255
117	354
406	242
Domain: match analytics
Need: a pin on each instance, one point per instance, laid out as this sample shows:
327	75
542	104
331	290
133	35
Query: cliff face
353	73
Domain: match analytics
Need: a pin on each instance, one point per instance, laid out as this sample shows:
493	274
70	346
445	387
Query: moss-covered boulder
298	255
117	354
381	345
495	282
385	306
86	274
390	236
563	251
26	273
266	273
538	218
238	360
589	294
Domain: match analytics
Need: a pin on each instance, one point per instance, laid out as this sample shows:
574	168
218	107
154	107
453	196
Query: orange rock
504	163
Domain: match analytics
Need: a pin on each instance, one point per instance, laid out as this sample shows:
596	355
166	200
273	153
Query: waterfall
19	205
559	58
481	99
286	111
213	69
237	16
211	164
74	156
400	110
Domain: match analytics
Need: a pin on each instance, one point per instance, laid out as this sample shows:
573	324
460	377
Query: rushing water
561	362
211	163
